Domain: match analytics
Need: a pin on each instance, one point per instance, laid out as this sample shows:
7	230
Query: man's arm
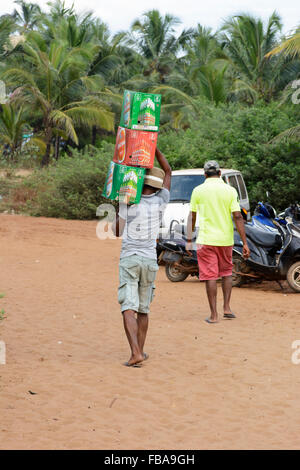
164	164
119	224
239	223
191	222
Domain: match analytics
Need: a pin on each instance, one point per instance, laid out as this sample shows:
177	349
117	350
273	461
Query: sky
119	14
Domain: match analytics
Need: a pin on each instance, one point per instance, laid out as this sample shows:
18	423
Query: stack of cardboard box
135	147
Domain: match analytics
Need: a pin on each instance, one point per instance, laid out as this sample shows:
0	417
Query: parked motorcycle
293	212
274	255
265	215
171	252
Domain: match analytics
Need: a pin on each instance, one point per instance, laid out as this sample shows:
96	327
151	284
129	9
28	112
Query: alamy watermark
2	353
136	229
296	94
296	354
104	230
3	96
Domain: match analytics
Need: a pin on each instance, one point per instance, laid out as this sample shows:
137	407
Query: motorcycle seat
263	237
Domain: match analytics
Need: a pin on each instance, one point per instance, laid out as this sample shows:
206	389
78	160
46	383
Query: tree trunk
94	135
57	144
46	157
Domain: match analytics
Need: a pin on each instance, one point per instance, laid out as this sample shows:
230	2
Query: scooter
274	256
293	211
264	216
172	253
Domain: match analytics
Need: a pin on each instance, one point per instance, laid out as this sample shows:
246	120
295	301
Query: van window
182	186
233	182
242	187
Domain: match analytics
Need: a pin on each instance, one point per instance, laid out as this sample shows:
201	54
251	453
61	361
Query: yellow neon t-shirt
214	201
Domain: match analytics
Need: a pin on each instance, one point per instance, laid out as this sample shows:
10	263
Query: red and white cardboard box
135	148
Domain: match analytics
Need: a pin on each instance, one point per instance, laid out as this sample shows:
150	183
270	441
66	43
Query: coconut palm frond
91	116
292	133
17	76
93	83
37	142
63	121
289	47
174	91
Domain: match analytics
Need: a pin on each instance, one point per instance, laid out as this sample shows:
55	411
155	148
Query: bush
70	189
74	186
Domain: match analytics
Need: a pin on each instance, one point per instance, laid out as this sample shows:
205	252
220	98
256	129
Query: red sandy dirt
231	385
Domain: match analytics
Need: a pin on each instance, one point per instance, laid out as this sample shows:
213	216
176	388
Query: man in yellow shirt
216	202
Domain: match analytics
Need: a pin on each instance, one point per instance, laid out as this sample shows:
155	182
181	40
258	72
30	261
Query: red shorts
214	261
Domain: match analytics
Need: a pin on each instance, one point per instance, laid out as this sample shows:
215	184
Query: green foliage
72	188
12	128
238	137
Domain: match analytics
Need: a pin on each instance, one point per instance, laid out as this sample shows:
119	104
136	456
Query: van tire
293	276
173	274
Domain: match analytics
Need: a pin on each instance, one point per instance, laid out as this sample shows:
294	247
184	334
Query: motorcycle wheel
237	279
173	274
293	276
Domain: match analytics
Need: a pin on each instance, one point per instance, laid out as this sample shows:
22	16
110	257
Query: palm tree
54	82
246	41
203	48
12	126
111	55
65	24
154	39
110	58
6	28
205	66
290	47
28	16
198	74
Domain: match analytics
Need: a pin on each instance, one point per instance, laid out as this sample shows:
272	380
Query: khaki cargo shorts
136	289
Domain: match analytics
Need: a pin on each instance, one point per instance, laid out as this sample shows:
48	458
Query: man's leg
131	327
227	288
211	290
208	272
146	295
225	262
142	321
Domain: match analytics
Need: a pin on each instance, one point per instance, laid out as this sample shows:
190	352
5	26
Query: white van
182	184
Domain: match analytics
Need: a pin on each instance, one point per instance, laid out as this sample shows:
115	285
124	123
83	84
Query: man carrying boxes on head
139	225
143	193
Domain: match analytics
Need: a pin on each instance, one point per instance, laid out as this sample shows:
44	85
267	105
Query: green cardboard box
140	111
124	183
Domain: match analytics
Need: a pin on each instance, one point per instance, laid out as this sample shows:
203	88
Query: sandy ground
226	386
21	172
